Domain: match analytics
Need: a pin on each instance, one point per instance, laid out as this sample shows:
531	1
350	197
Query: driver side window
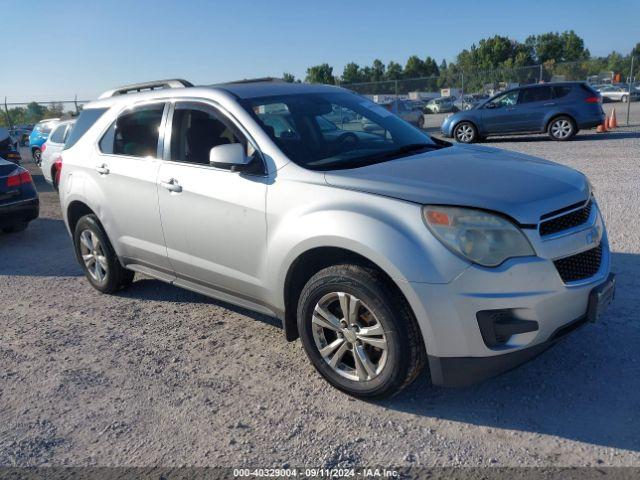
509	99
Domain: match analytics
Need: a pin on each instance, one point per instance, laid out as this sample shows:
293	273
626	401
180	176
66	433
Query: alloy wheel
561	128
93	256
349	337
464	133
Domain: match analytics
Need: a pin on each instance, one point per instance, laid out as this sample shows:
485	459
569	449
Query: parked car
20	136
51	161
440	105
363	247
617	93
558	109
39	135
8	150
404	109
19	202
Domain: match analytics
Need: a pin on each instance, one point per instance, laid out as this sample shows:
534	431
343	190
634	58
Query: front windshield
336	130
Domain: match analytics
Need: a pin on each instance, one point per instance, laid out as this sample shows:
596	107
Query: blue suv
558	109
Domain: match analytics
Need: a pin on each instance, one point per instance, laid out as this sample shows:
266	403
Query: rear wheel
465	132
98	258
625	98
561	128
37	156
359	332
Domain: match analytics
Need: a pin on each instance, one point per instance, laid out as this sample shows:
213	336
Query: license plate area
600	298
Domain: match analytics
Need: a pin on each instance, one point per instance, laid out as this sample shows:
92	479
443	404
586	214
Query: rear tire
97	257
374	350
36	153
465	132
625	98
18	227
562	128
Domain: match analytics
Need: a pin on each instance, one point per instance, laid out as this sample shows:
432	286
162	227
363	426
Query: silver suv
381	249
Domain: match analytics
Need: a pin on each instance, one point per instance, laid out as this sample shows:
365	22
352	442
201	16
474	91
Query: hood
520	186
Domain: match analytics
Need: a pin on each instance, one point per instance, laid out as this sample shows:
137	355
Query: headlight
481	237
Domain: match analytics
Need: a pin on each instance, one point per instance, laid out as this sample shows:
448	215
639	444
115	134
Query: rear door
213	218
501	114
533	104
125	171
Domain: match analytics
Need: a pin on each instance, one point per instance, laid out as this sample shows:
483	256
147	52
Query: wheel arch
555	115
308	264
75	211
461	120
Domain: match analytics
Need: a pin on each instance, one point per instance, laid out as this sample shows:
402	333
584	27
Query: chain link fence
466	89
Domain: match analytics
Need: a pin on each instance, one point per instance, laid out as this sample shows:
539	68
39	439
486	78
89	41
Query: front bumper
530	289
19	212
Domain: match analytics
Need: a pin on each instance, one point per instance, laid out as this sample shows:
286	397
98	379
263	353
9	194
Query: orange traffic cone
613	121
602	128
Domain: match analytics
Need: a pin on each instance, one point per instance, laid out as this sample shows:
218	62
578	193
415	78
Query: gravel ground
160	376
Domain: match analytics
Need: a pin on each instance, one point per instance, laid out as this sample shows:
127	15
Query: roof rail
254	80
139	87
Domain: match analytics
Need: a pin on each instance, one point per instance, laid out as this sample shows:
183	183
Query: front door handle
102	169
172	185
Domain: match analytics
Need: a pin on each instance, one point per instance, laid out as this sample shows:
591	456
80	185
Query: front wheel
358	332
465	132
561	129
98	258
625	98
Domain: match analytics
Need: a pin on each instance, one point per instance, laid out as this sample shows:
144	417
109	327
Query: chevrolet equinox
383	249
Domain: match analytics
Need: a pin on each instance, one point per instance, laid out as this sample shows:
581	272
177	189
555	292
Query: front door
500	115
213	219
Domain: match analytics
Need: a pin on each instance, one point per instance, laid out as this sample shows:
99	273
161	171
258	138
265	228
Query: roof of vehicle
242	89
48	120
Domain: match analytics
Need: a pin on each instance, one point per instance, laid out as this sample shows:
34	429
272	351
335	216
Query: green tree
351	73
34	113
377	71
288	77
322	73
414	67
559	47
394	71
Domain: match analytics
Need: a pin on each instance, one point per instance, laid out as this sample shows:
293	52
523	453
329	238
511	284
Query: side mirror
230	156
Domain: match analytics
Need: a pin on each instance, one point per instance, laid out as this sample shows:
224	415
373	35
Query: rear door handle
102	169
172	185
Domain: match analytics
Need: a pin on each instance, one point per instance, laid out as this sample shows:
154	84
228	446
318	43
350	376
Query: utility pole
630	82
6	111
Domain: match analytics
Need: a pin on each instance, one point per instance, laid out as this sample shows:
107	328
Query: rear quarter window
85	121
559	92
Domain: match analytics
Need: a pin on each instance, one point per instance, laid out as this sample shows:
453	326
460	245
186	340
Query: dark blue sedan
19	203
558	109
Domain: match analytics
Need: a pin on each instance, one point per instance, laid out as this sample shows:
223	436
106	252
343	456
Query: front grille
565	222
580	266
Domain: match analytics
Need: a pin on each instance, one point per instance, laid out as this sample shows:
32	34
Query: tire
625	98
562	128
37	156
465	132
421	121
54	183
18	227
105	274
399	353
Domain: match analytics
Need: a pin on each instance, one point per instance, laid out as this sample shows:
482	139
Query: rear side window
85	121
559	92
536	94
135	133
58	134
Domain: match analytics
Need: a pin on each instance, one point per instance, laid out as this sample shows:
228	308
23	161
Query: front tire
98	258
562	129
465	132
359	332
625	98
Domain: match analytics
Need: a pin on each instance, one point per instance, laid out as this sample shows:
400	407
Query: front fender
388	232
